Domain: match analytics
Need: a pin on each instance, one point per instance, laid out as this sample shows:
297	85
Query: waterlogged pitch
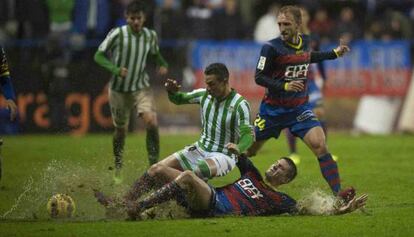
36	167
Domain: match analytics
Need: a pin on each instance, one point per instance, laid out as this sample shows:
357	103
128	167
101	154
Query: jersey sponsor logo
249	189
262	62
296	71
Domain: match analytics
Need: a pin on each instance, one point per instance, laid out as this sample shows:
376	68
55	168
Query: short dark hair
219	70
294	10
136	6
293	171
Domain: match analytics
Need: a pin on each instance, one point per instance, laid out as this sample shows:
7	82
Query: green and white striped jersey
221	120
130	50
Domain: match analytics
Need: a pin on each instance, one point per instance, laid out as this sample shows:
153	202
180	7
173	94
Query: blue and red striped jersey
281	62
250	195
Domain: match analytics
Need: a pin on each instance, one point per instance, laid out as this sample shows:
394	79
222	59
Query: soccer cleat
335	158
346	195
295	158
102	199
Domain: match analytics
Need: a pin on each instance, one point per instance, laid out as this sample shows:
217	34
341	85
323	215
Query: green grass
381	166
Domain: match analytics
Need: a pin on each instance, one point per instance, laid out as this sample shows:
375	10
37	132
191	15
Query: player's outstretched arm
355	204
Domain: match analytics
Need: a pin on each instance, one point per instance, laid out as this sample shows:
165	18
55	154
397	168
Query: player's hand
342	49
162	71
172	86
354	204
11	105
233	148
123	72
295	86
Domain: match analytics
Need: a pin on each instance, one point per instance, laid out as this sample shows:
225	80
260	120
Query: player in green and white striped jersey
124	53
226	132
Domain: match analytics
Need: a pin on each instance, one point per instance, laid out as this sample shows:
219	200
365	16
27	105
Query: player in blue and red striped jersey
249	195
8	92
283	69
316	80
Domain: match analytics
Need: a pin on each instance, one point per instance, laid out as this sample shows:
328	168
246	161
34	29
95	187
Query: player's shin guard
144	184
167	192
153	145
118	149
330	172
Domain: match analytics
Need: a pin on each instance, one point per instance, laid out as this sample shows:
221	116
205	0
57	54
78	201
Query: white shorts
190	156
121	104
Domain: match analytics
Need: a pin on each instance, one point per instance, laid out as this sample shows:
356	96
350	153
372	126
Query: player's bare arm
11	105
172	86
233	148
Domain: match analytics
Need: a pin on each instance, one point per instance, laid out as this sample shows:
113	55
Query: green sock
153	145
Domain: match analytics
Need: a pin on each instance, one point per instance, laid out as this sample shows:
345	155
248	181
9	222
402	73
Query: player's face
287	26
135	21
277	173
215	87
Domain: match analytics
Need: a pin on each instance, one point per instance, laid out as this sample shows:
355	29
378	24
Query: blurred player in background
8	92
316	81
226	132
124	53
283	70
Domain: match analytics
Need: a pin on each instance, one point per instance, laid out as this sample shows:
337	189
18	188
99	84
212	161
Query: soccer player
250	195
314	89
226	132
128	48
8	92
283	69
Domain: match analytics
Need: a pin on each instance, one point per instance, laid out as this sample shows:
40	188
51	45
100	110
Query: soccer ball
61	206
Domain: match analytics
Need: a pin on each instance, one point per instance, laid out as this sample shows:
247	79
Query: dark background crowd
50	43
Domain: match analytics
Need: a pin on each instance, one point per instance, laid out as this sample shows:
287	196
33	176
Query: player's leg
146	110
254	148
292	146
152	137
158	174
315	140
198	193
121	105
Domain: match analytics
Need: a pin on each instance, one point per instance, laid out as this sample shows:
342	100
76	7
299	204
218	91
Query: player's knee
156	169
186	177
319	146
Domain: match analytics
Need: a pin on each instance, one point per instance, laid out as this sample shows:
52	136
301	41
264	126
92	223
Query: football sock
330	172
167	192
153	145
291	141
141	186
118	149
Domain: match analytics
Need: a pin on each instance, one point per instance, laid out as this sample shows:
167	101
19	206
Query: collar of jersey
299	45
133	32
231	95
